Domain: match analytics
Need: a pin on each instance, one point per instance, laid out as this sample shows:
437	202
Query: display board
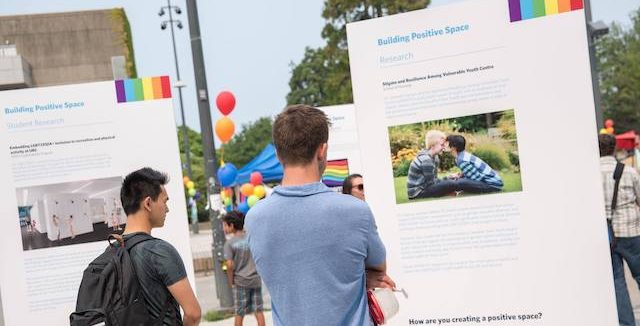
513	230
67	149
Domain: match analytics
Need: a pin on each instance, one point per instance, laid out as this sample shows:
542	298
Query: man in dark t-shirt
158	265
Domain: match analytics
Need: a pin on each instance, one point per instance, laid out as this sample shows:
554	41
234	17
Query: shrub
401	169
514	158
492	154
447	162
507	125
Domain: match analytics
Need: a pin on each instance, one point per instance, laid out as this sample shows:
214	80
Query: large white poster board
515	82
69	148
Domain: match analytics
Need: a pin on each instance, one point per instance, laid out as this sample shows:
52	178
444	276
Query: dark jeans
629	250
447	186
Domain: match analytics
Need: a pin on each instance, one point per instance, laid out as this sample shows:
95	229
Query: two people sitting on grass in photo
475	177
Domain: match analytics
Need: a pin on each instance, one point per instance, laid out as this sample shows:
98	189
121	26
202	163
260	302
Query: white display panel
69	147
534	253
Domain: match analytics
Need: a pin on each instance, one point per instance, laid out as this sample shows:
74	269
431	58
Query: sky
248	45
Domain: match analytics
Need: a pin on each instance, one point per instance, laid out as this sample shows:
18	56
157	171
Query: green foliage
514	159
323	76
197	167
507	125
619	66
402	168
123	31
252	139
493	154
216	315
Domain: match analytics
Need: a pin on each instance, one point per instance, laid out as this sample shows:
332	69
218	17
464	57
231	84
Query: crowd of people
319	250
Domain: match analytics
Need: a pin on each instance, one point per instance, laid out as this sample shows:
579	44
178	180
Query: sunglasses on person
359	187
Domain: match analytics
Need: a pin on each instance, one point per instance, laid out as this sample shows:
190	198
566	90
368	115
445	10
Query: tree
619	64
197	167
251	140
323	76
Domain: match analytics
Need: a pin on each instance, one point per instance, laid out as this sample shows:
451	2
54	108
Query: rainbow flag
142	89
528	9
335	173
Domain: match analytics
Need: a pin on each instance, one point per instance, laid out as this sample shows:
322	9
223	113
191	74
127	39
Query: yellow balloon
259	191
190	185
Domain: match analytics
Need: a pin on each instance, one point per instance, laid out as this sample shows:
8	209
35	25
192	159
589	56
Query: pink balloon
255	178
225	102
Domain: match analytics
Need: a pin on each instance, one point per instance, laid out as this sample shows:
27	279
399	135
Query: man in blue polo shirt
312	246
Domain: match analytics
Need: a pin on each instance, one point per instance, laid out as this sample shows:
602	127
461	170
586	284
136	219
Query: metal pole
595	76
185	137
211	165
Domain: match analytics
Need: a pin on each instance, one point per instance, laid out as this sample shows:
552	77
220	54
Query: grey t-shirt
158	265
244	269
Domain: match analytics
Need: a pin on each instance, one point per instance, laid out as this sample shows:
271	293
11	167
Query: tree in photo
619	64
323	77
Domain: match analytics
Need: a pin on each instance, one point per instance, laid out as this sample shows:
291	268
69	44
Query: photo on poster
62	214
456	157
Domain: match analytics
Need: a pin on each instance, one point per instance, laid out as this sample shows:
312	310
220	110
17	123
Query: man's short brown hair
298	132
607	144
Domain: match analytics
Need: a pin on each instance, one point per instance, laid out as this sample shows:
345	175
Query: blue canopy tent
266	163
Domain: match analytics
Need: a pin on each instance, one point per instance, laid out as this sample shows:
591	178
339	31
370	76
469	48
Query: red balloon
608	123
255	178
225	102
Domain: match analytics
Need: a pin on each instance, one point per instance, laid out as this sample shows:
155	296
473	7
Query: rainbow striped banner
528	9
143	89
335	173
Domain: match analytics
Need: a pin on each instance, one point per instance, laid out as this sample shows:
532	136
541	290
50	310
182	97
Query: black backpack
110	293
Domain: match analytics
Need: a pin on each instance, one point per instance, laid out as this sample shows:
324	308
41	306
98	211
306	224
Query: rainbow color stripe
335	173
528	9
143	89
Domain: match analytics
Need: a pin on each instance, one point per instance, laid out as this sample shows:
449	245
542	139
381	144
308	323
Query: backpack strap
617	174
136	239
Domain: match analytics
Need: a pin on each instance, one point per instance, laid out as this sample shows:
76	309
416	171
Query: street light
179	84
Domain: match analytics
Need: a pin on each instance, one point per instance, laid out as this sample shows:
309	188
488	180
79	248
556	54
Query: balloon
259	191
243	207
229	209
197	196
225	129
227	175
192	192
608	123
190	185
185	180
252	200
228	192
247	189
603	131
227	201
225	102
256	178
610	130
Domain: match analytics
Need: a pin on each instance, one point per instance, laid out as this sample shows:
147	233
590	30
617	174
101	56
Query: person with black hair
241	270
158	265
476	176
354	186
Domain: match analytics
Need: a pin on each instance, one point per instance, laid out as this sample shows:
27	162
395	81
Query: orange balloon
185	180
225	129
247	189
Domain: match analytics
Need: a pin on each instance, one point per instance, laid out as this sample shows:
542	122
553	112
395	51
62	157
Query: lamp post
178	84
594	31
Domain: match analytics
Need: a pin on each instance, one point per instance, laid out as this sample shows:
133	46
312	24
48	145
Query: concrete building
65	48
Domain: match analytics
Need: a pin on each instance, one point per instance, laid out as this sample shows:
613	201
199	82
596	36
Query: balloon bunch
191	188
224	126
226	195
253	191
608	127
